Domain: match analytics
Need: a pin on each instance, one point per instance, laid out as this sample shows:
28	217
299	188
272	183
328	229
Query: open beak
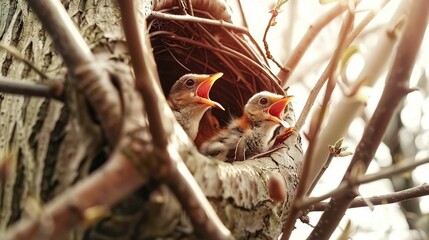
277	108
203	90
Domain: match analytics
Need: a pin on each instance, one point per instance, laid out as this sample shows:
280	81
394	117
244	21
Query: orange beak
203	90
277	108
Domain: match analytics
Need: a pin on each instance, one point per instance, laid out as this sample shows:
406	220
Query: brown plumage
209	127
189	100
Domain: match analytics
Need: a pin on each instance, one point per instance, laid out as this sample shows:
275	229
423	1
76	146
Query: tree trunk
49	148
52	145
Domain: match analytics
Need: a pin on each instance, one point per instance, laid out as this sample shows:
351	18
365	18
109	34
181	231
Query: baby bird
189	99
253	132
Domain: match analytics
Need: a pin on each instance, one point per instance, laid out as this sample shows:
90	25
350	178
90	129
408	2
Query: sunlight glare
424	204
425	121
356	128
410	117
422	141
384	159
415	75
420	174
354	67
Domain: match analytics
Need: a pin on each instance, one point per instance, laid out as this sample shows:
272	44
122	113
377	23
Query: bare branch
170	167
190	7
355	182
308	38
93	82
147	80
329	72
306	203
53	89
230	53
319	84
333	152
396	88
271	22
365	21
205	21
393	170
419	191
68	210
349	107
242	14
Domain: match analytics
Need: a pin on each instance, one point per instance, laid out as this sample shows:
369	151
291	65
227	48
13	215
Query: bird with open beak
189	99
253	132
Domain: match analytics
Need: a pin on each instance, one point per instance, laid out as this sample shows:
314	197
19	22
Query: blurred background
407	136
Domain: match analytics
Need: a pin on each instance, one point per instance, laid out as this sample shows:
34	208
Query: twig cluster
145	151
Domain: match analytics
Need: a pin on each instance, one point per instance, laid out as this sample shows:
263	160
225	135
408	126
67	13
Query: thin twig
18	56
85	70
337	124
242	14
190	7
396	88
53	89
234	54
243	45
328	93
329	72
315	91
264	40
252	40
170	167
320	174
404	166
403	195
210	40
306	203
365	21
307	39
182	6
350	38
67	210
188	18
250	37
352	183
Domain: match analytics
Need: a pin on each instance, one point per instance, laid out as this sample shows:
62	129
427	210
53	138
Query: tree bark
54	145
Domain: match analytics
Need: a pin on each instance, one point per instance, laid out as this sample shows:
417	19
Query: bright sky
386	222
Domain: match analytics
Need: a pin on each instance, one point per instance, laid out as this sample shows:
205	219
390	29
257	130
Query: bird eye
263	101
190	83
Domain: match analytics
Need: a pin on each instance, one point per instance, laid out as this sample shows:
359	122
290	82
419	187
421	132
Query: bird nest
183	43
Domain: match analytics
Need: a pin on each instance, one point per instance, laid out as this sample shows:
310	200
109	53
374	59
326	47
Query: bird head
193	90
267	106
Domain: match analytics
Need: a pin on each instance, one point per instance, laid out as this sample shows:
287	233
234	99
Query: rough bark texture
50	146
54	145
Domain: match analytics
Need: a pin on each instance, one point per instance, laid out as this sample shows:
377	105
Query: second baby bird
253	132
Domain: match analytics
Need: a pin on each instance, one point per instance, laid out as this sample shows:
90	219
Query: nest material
181	47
